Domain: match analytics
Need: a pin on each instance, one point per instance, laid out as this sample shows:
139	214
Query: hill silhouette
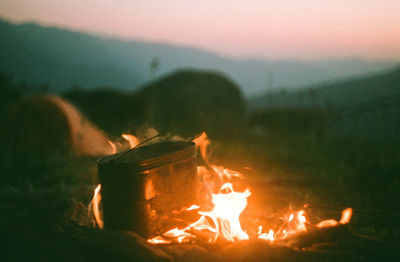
365	107
61	58
345	93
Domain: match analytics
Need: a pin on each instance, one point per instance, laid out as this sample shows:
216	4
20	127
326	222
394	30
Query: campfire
216	215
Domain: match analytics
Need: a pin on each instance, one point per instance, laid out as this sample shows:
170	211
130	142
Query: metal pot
141	187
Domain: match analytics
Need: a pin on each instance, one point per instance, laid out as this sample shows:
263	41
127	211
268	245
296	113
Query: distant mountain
341	94
364	108
61	58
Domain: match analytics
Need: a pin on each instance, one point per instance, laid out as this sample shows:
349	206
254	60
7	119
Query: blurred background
303	93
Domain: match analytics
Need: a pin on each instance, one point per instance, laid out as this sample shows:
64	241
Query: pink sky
301	29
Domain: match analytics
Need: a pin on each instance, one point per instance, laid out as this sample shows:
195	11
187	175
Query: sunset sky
275	29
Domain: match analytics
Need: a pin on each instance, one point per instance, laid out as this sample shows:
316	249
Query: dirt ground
52	225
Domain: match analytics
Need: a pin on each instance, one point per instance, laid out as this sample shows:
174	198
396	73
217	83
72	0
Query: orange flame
346	217
301	221
202	142
133	141
192	207
222	222
226	212
225	173
294	224
113	147
117	146
94	210
327	223
266	236
297	223
158	240
184	209
228	205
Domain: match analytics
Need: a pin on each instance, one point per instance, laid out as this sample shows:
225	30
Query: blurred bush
188	102
184	102
110	109
8	95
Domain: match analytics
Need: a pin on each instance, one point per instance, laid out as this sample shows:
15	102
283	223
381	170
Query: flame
158	240
266	236
346	216
179	234
225	173
301	221
117	146
228	205
223	221
185	209
327	223
202	142
295	223
94	210
175	234
192	207
226	212
133	141
113	147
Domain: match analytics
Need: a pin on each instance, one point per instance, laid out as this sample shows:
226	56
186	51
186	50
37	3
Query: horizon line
194	47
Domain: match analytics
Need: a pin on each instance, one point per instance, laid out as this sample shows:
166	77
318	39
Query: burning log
142	187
